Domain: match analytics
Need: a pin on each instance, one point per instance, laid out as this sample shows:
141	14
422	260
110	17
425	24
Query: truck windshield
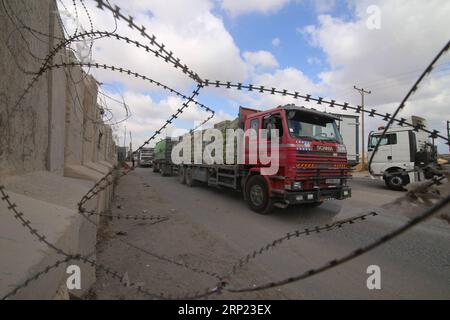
307	125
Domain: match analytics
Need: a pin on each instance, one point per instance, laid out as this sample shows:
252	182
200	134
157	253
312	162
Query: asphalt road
416	265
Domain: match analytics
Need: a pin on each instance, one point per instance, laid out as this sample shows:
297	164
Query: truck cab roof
246	112
310	111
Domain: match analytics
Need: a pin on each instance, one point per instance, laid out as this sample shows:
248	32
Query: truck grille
321	165
326	158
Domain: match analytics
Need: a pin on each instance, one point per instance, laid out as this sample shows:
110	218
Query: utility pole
362	92
448	133
125	137
131	146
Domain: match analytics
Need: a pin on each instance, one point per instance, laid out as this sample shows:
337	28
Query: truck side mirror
369	142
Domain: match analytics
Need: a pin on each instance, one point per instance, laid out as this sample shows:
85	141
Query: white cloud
313	60
240	7
149	115
290	79
263	59
276	42
191	31
411	33
324	6
188	28
389	60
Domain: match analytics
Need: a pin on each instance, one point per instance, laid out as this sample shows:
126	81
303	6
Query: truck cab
401	151
306	164
312	159
146	157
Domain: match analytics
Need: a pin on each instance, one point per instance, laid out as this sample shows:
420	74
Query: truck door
400	148
384	153
273	122
251	147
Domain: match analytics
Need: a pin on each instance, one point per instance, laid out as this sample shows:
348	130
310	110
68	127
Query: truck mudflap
317	195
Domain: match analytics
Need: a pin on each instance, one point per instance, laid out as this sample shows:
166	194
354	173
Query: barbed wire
131	217
344	106
116	11
322	101
36	276
358	252
413	89
12	207
164	258
18	215
130	73
297	234
112	177
99	34
104	182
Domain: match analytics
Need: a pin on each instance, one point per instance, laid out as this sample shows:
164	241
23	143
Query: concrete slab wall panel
53	147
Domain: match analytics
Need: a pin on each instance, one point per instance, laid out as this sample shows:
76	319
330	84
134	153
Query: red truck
312	168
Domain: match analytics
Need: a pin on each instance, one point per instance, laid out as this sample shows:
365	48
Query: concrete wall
74	117
23	128
53	148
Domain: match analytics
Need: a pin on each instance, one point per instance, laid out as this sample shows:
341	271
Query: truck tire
257	195
164	170
396	180
190	182
181	175
188	175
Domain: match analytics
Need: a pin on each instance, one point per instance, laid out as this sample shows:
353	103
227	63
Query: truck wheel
189	178
181	175
164	170
257	195
396	181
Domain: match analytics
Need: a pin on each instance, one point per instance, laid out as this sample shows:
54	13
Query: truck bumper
318	195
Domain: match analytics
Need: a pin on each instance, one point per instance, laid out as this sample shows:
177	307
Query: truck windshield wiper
307	137
327	139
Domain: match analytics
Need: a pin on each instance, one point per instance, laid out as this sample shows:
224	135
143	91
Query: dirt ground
132	248
209	230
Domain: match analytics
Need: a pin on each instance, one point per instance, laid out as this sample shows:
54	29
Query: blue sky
253	32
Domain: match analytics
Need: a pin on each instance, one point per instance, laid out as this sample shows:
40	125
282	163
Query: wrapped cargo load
163	157
163	149
291	174
222	127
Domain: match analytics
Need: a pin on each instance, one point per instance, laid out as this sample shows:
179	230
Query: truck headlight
297	185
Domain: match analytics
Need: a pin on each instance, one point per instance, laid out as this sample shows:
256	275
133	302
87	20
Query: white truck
401	152
145	158
348	127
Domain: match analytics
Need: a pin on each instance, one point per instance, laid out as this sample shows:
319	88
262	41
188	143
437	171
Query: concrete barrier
54	147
